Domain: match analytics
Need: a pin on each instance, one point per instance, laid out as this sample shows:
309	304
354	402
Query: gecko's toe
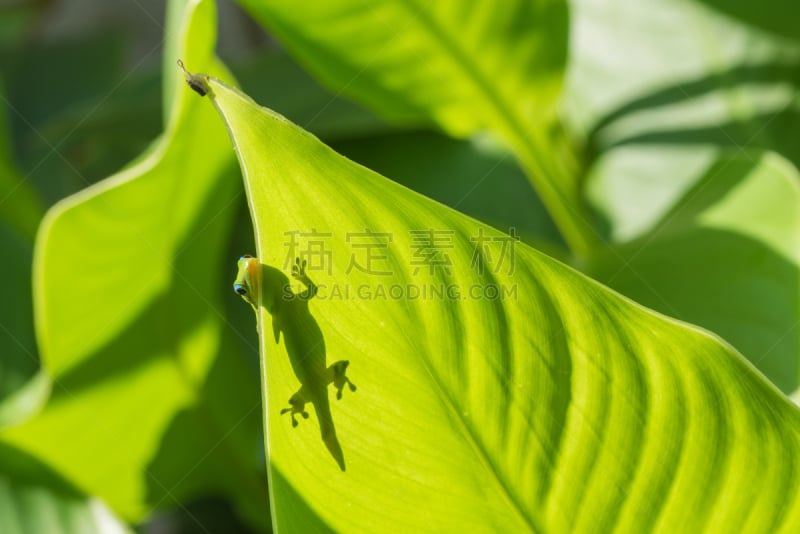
299	268
339	378
296	403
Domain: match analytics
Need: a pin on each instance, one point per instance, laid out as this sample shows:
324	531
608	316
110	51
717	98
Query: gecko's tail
332	442
328	431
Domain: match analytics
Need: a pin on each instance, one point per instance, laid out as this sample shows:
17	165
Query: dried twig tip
195	81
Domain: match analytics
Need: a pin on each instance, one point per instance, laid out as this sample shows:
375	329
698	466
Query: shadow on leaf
305	346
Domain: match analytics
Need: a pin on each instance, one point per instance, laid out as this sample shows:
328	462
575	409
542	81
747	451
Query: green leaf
725	257
130	322
33	498
458	67
463	66
719	87
561	407
683	137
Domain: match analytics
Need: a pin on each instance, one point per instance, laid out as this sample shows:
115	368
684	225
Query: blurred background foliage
660	96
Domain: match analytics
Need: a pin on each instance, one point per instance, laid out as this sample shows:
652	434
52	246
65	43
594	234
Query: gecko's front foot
299	274
298	406
299	269
340	379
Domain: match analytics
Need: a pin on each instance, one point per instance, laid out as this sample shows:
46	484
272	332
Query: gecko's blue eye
240	289
245	257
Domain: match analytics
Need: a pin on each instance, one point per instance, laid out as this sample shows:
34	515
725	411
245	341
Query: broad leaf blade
562	407
684	124
148	378
453	63
726	257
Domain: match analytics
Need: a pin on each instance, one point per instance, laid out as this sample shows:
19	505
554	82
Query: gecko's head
247	279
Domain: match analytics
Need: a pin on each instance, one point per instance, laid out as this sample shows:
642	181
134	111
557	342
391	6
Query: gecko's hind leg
298	406
339	378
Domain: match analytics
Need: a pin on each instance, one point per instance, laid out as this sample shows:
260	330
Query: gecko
262	285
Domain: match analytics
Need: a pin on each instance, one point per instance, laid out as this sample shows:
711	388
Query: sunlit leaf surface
559	407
